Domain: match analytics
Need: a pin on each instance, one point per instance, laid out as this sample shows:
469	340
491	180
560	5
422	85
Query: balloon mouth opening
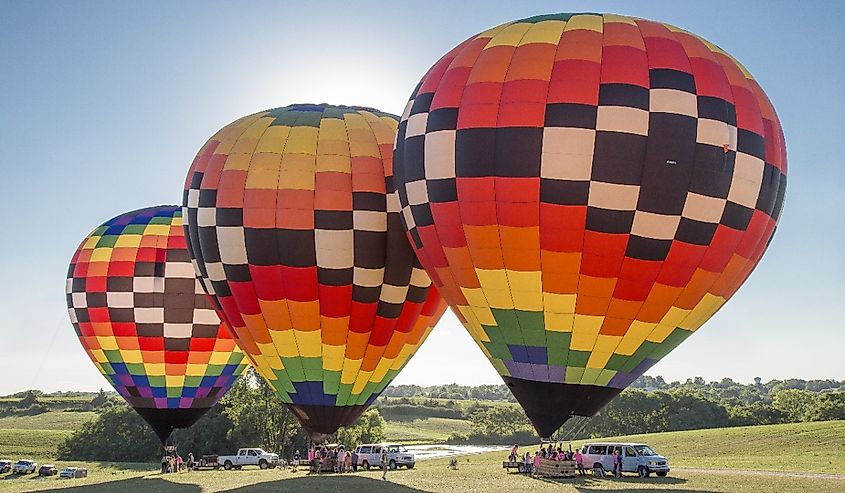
549	405
321	421
164	421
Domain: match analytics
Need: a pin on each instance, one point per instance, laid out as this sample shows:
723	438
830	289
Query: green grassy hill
424	430
38	436
815	447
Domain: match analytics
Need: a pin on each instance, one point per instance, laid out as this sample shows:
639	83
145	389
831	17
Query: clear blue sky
104	104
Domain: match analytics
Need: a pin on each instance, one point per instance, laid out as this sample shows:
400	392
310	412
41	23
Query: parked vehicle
248	457
24	466
207	462
47	470
369	455
636	458
73	473
5	466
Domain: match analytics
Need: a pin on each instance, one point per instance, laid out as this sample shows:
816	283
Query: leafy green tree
119	434
259	417
368	428
794	404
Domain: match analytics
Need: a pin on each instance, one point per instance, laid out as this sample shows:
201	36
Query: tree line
249	415
695	404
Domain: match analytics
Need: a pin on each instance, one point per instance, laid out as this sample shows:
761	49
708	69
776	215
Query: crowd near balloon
584	191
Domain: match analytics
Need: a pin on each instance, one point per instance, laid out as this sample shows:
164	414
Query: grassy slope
425	430
57	420
815	447
37	436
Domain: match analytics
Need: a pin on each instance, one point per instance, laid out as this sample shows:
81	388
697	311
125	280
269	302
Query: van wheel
392	464
662	474
366	466
227	465
263	464
598	470
410	466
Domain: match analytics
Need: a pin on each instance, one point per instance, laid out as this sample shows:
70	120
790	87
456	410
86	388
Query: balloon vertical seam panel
142	317
288	221
586	190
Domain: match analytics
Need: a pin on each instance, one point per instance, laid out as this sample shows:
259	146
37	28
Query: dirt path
748	472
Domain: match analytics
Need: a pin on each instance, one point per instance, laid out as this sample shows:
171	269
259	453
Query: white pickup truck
248	457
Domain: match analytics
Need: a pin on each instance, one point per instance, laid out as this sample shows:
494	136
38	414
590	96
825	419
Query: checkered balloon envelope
585	191
296	235
145	322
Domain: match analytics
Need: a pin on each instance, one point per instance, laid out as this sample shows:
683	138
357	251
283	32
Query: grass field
806	447
67	420
425	430
475	473
811	447
38	436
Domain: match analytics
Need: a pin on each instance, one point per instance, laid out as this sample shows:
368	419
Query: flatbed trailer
520	466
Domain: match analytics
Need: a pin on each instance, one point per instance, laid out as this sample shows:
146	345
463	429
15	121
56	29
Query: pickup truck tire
662	474
238	468
366	466
263	464
392	464
409	466
227	465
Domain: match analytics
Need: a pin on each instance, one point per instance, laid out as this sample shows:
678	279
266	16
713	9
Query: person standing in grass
579	462
536	464
384	463
617	463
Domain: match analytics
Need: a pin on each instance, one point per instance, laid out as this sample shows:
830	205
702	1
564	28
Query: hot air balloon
585	191
145	321
299	243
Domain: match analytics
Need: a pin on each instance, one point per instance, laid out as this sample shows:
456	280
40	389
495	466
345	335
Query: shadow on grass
590	483
325	483
156	485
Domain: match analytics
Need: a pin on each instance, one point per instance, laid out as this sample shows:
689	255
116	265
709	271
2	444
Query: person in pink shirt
579	462
536	463
311	463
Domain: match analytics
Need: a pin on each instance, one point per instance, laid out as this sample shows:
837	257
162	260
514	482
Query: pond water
426	452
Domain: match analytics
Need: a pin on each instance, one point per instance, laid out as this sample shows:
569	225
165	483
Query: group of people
175	463
551	452
323	459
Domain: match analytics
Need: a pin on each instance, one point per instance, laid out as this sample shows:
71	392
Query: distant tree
102	399
794	404
29	398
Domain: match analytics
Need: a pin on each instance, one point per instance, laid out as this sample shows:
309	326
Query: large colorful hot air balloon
586	190
145	321
296	238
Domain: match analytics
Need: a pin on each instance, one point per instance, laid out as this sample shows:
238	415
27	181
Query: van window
394	449
630	452
365	450
598	449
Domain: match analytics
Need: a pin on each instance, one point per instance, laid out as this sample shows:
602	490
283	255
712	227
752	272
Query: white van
369	455
636	457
